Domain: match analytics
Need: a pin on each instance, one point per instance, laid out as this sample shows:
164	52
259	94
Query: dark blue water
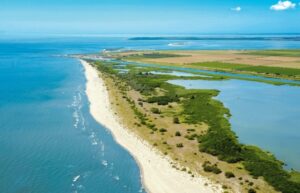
48	140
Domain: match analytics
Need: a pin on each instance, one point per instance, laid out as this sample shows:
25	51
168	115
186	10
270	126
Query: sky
149	17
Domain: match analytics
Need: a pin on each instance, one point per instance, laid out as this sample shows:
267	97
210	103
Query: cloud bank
238	9
283	5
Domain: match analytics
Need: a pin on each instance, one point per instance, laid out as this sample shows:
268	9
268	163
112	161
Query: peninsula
176	133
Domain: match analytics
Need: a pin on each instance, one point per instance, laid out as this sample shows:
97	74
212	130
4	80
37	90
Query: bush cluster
155	110
176	120
162	100
177	134
179	145
229	175
162	130
208	167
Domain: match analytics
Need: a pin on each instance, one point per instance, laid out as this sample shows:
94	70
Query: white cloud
283	5
238	8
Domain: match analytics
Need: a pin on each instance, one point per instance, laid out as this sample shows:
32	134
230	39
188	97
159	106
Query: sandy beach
156	171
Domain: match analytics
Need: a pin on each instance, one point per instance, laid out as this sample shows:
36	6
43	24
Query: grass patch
289	53
295	176
278	71
220	65
159	55
272	70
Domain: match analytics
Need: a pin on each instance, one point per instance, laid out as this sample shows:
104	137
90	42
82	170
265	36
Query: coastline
157	174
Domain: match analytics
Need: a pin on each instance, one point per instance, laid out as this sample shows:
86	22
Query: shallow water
177	73
262	114
216	73
48	140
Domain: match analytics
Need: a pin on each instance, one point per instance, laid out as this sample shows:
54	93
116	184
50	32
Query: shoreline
242	63
157	174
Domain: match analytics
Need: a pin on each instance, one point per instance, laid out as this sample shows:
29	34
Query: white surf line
157	173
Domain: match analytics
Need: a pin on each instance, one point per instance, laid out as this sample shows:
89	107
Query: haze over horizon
149	17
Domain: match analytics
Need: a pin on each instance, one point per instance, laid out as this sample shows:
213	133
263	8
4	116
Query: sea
50	143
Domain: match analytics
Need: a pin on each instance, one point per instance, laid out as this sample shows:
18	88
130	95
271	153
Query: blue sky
149	17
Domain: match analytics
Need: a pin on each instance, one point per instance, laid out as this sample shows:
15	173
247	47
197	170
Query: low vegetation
176	120
154	55
251	190
177	134
257	62
278	71
229	175
159	55
289	53
155	110
200	107
208	167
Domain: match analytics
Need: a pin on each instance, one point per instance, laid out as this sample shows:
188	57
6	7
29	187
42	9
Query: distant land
268	63
285	38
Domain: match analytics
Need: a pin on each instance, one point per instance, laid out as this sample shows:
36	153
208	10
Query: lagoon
263	114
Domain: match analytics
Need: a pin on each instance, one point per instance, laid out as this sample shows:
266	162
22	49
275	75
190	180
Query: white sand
157	173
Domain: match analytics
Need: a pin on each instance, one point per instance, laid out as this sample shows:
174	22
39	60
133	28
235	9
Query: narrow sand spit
157	173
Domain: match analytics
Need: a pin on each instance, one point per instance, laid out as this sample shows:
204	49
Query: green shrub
191	137
251	190
177	133
229	175
190	130
179	145
176	120
155	110
208	167
162	100
162	130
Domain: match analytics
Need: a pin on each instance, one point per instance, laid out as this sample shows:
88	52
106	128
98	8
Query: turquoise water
48	140
262	114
